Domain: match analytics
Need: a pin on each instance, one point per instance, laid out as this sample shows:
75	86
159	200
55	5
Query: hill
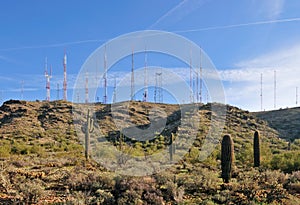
42	155
285	121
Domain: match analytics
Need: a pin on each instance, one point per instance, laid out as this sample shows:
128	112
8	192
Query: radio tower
158	95
65	76
145	96
105	78
261	92
86	88
48	77
191	83
132	78
200	92
275	89
115	91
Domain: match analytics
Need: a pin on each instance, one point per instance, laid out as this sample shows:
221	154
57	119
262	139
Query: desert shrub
295	177
244	157
204	181
4	150
136	191
266	155
31	191
104	197
260	187
287	162
36	149
193	155
20	148
82	180
293	184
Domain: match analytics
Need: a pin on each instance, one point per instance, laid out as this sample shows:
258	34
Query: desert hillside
285	121
42	155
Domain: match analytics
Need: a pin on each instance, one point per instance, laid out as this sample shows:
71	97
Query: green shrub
287	162
4	150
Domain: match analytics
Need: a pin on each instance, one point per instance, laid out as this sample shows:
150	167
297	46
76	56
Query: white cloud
243	83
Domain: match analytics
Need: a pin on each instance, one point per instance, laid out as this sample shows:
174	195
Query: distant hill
285	121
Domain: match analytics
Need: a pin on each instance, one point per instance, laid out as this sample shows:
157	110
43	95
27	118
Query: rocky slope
42	155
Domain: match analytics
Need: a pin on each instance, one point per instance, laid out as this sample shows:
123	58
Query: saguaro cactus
89	129
256	149
172	147
227	155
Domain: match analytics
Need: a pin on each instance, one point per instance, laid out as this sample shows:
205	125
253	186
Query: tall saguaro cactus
89	129
256	149
227	155
172	147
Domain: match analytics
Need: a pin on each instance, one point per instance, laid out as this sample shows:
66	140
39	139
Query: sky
243	39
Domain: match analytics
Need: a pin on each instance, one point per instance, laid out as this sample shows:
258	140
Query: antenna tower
115	92
191	83
158	95
200	92
48	77
105	77
132	77
86	88
145	95
65	76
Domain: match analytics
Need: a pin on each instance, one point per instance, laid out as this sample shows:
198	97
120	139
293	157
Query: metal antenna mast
132	77
115	91
275	89
47	76
105	78
200	92
158	97
261	91
145	96
86	88
65	76
191	85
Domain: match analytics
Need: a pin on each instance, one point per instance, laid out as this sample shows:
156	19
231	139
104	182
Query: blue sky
242	38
